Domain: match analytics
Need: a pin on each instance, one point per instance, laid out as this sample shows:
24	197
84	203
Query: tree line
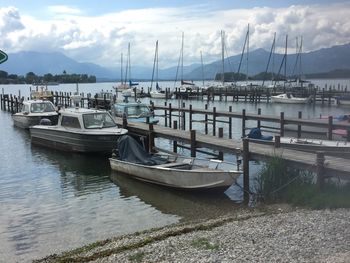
32	78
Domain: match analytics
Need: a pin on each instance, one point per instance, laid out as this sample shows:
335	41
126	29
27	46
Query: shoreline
273	233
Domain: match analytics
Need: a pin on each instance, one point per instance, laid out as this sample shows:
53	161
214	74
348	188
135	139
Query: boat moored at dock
79	130
186	173
33	111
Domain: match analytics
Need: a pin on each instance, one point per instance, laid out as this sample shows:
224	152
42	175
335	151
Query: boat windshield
138	111
98	120
42	107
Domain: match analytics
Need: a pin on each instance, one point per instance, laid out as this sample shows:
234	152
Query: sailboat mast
247	53
157	64
273	57
223	56
300	52
154	63
285	60
121	68
202	68
268	62
129	62
182	57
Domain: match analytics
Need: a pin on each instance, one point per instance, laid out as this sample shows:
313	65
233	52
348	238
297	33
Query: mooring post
190	117
214	121
259	122
300	115
165	115
150	138
230	123
330	127
175	142
125	121
282	124
206	120
193	143
277	141
320	169
170	115
243	123
221	135
246	170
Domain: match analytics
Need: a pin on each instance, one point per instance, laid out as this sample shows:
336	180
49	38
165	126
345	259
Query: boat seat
171	165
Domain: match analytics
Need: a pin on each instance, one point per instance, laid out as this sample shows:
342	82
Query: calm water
52	201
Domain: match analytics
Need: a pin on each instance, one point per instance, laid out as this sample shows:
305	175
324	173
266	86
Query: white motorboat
33	111
170	170
79	130
289	98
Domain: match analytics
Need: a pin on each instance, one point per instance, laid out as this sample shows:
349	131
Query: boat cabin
134	112
85	119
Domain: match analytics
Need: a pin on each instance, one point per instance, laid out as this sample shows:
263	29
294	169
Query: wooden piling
193	143
243	123
300	115
175	142
246	170
221	135
282	124
330	127
151	138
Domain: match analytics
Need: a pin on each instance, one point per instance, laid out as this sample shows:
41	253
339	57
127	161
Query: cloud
101	39
63	10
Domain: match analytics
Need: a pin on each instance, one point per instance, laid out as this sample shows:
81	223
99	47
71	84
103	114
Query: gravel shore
270	235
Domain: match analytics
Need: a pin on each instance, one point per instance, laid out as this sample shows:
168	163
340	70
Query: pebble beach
273	234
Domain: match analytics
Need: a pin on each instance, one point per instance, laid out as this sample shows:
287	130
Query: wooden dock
305	160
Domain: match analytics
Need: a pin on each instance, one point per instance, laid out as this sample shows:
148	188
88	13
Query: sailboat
186	86
127	85
122	86
158	93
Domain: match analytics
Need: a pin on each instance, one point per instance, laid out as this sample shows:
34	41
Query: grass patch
136	257
278	183
204	243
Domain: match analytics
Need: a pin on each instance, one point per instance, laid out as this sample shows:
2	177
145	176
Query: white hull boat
289	98
33	111
79	130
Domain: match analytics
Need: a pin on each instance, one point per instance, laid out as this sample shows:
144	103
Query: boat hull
74	141
289	101
25	121
196	179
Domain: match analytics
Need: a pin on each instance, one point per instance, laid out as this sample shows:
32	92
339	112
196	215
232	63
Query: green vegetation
232	76
278	183
204	243
31	78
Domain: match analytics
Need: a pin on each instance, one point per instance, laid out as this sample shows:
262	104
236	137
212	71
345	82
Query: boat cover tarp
255	133
129	150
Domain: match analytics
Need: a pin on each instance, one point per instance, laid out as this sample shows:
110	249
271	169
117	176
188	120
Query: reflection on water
51	201
189	205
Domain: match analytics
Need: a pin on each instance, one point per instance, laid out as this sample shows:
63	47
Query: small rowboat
171	170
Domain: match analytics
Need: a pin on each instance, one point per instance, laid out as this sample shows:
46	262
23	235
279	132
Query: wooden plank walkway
335	166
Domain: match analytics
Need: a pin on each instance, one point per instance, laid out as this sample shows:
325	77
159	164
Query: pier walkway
332	166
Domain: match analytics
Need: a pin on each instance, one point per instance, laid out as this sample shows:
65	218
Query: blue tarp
255	133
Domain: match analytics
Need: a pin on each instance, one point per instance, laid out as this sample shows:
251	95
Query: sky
99	31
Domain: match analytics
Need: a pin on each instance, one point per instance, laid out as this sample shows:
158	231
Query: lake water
52	201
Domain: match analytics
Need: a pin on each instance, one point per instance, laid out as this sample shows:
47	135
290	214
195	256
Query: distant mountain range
323	60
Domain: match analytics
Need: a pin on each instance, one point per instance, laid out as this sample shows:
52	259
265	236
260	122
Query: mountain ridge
313	62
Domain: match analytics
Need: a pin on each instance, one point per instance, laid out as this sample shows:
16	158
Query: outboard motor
45	121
